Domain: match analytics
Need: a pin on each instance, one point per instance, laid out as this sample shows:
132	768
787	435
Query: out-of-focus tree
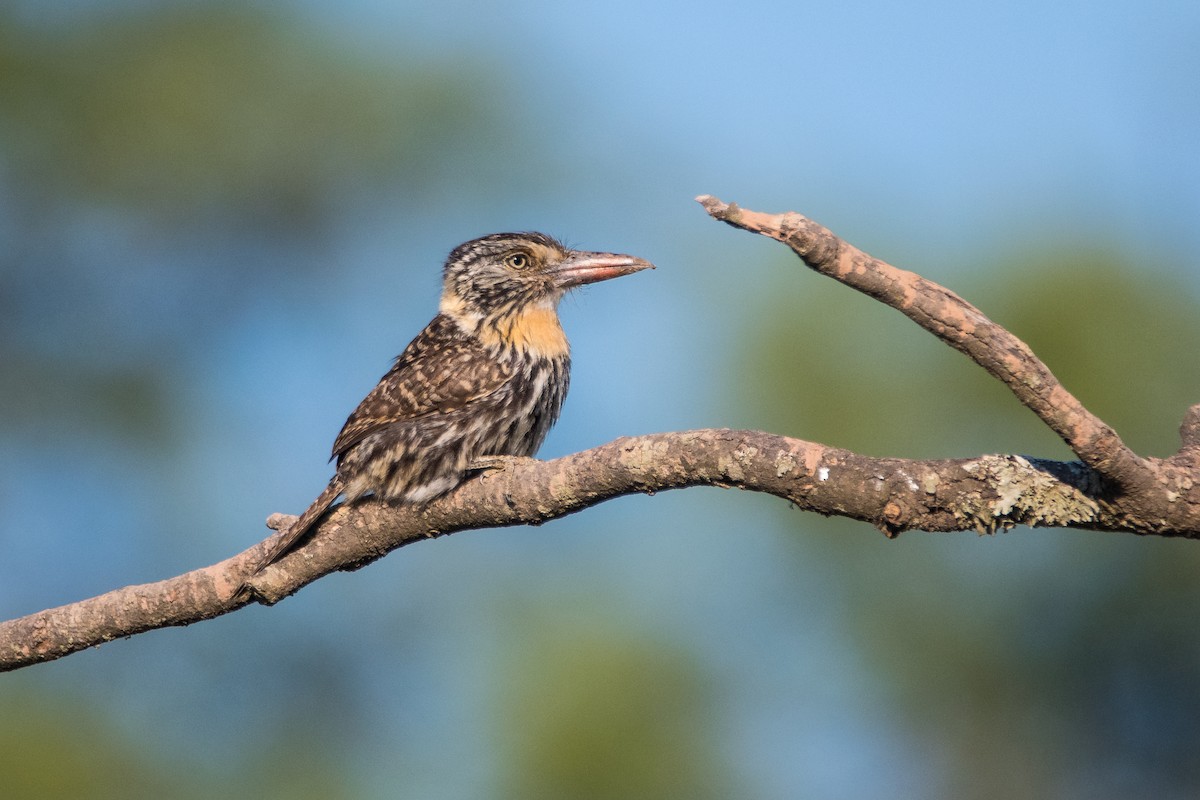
50	751
157	168
63	748
594	713
226	111
1051	663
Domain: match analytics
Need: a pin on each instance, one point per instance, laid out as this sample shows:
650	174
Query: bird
485	379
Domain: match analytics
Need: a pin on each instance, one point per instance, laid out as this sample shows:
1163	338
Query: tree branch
957	323
1113	489
980	494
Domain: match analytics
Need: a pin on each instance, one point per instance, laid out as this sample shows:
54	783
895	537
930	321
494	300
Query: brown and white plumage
486	377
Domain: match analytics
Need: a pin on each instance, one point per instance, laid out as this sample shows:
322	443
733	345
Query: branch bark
1146	491
1112	488
957	323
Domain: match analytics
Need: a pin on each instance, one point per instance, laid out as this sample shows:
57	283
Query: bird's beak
580	268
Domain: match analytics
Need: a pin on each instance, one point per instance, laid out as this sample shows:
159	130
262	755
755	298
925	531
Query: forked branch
957	323
1112	489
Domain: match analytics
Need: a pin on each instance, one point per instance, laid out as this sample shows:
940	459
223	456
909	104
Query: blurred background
220	221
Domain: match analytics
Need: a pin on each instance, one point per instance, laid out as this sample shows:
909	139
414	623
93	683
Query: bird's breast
531	407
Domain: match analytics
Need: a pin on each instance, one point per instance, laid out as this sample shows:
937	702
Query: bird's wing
440	371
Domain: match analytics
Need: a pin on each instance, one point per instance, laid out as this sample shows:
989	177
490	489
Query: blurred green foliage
1047	663
837	367
593	713
52	752
224	108
61	748
208	148
1122	337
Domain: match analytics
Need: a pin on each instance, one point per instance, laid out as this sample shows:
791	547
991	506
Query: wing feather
441	371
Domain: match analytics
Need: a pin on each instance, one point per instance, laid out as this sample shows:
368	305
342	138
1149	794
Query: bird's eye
518	260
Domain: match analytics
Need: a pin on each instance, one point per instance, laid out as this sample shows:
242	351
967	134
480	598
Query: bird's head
506	272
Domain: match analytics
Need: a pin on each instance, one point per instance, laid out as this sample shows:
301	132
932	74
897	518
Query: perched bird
487	377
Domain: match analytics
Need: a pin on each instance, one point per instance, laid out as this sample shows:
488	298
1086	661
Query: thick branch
960	325
980	494
1113	489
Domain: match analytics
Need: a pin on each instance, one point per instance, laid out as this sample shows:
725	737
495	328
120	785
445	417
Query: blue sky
918	131
936	119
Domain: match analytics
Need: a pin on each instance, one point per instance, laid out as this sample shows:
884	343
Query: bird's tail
284	543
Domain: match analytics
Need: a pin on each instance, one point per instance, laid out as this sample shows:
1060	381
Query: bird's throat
534	330
530	328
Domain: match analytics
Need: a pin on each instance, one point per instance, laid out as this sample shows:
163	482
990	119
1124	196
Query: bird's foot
489	463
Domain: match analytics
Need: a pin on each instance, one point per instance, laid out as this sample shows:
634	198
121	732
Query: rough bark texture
1111	488
1152	495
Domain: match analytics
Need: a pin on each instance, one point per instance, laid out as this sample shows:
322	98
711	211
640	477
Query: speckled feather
487	377
440	372
448	401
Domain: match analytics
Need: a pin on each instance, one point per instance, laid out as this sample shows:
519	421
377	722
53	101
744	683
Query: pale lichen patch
1024	495
735	464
